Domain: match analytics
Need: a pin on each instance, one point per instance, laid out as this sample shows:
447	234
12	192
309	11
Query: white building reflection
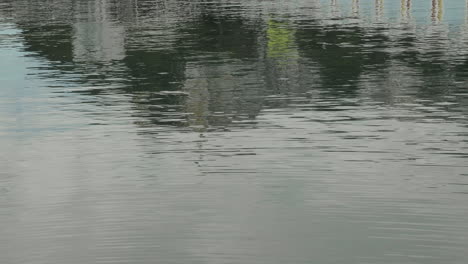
97	38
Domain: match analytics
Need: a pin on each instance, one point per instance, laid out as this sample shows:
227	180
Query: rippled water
151	131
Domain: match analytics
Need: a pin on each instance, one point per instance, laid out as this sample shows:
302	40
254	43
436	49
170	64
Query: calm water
242	131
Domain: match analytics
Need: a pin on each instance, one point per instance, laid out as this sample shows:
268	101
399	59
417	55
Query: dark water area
243	131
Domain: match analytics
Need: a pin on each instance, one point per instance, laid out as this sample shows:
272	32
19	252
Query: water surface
236	131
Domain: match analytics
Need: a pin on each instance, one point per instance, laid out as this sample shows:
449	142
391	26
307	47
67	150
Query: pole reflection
379	9
355	8
437	10
405	10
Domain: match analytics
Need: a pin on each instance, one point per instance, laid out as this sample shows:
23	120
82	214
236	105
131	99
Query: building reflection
96	37
208	64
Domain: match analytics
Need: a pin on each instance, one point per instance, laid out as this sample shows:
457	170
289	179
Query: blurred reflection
355	7
379	9
232	131
334	9
405	10
96	38
461	64
437	10
212	64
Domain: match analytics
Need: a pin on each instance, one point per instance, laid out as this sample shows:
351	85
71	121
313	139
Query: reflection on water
143	131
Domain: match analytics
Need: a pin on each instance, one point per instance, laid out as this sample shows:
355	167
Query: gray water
235	131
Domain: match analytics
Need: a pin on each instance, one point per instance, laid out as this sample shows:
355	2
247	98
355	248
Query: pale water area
242	131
